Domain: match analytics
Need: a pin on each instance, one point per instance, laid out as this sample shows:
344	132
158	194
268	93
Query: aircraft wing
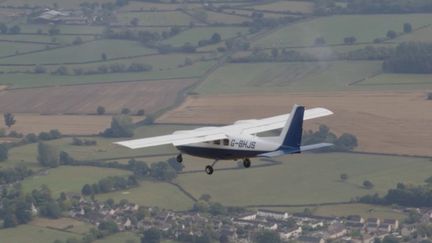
206	134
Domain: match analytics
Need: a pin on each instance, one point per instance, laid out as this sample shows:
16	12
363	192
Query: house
310	239
247	216
373	221
365	238
394	223
335	231
355	226
355	219
385	228
371	227
291	233
272	214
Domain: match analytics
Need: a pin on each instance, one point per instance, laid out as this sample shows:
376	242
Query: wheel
246	163
209	170
179	158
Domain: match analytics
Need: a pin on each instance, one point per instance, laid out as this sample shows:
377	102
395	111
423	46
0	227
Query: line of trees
101	69
410	57
4	29
385	6
109	184
404	195
345	142
17	173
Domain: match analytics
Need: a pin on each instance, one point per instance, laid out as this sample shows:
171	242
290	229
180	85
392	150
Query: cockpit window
225	142
217	142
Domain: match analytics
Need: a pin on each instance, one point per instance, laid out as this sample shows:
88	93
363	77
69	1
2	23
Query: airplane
240	140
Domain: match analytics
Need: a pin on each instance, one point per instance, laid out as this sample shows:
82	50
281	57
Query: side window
217	142
225	142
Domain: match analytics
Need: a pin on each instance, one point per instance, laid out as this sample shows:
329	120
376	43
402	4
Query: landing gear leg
246	163
179	158
209	168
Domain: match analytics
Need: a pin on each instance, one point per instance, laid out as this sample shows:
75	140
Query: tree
9	119
125	111
390	239
175	165
350	40
140	112
121	126
368	184
391	34
275	53
14	30
429	96
407	28
87	190
267	236
3	152
100	110
343	177
134	21
320	41
346	142
162	171
216	38
217	209
40	69
205	197
48	155
3	28
10	220
104	56
78	41
108	226
151	235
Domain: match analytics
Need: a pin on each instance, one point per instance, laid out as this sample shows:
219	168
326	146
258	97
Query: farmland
166	58
264	184
368	115
69	179
333	29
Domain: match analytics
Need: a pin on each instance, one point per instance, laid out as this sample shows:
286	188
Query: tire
179	158
246	163
209	170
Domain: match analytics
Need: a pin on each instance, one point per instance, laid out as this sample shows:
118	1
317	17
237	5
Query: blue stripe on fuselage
219	153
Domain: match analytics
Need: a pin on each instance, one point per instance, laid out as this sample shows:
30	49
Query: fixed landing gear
209	168
246	163
179	158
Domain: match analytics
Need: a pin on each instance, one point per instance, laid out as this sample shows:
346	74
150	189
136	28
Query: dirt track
384	122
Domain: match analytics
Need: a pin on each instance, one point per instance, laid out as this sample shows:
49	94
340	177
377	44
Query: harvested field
151	96
64	224
384	122
66	124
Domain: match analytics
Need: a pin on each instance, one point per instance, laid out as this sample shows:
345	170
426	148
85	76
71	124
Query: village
241	227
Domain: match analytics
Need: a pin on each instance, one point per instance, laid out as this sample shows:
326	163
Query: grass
364	210
261	77
213	17
156	18
90	51
9	48
194	35
152	194
105	148
65	224
23	155
335	28
308	178
36	80
120	238
64	29
69	178
292	6
59	39
29	233
398	81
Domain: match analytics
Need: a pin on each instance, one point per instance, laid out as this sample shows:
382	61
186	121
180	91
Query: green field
308	178
196	34
9	48
28	233
69	178
151	194
64	29
58	39
304	76
105	148
213	17
120	238
155	18
31	80
22	155
90	51
335	28
292	6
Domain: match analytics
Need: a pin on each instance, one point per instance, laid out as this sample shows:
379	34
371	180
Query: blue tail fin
291	134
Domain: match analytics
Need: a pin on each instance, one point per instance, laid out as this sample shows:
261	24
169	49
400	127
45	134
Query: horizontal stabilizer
283	152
